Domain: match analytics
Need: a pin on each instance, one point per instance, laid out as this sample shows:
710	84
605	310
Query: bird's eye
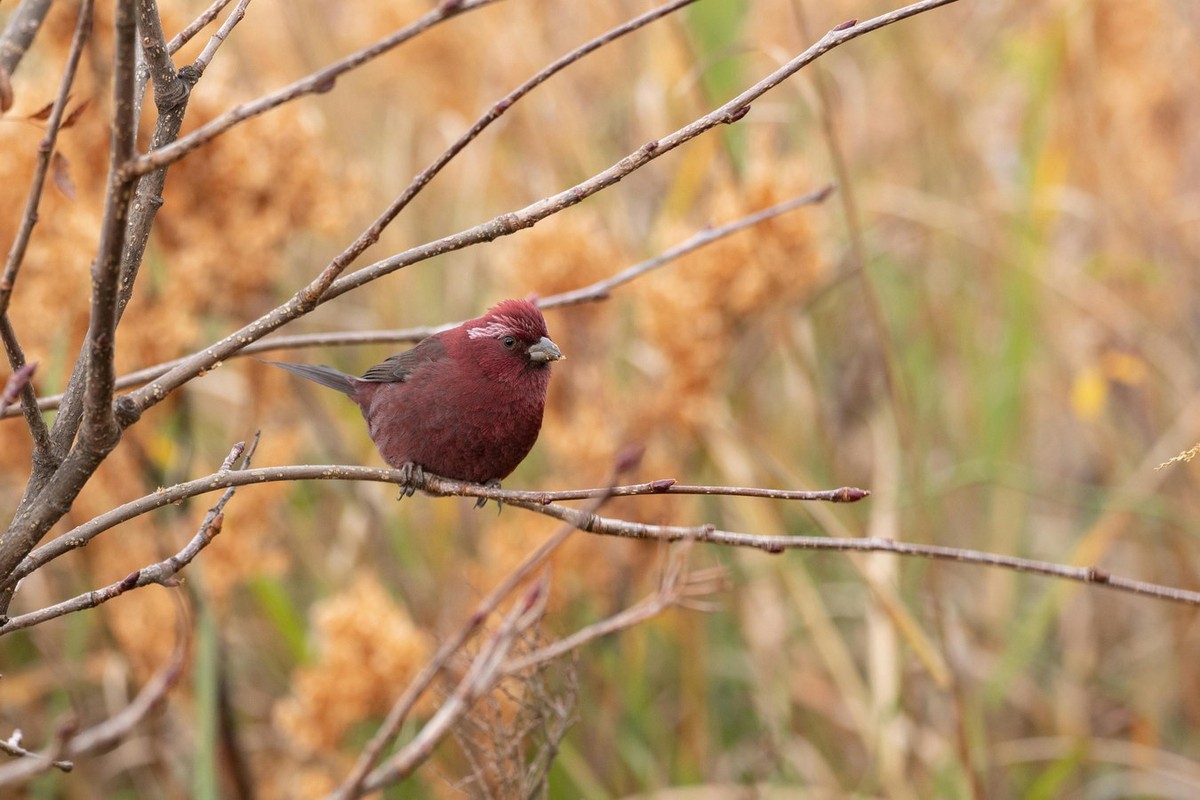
509	342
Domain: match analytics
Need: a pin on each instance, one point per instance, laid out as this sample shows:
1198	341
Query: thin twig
17	751
16	253
81	535
206	56
316	83
600	289
594	524
371	754
597	291
43	456
676	586
486	668
198	24
731	112
371	235
38	429
162	572
505	224
114	729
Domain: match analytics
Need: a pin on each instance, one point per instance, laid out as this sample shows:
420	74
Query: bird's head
511	340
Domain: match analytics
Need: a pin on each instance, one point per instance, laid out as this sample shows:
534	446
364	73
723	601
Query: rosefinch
465	403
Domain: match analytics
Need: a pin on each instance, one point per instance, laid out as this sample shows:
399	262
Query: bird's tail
326	376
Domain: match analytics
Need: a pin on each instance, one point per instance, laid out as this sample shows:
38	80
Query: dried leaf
74	116
42	113
61	169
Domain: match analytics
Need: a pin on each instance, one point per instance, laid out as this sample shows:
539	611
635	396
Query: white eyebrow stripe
501	325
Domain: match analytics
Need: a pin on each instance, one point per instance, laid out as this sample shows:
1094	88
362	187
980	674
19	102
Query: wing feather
400	367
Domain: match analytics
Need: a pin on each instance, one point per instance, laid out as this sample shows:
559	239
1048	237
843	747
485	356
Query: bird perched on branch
465	403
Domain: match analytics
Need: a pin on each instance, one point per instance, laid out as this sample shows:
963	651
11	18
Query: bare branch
317	83
38	430
162	573
352	786
594	292
600	289
505	224
206	56
727	114
16	253
169	89
53	486
99	424
23	26
81	535
591	523
198	24
51	760
115	728
371	235
486	668
677	586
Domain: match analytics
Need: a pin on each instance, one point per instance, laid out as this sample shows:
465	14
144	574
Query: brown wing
400	367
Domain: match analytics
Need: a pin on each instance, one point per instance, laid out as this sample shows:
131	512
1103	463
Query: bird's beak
544	351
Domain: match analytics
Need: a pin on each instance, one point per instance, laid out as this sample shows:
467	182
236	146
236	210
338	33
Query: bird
465	403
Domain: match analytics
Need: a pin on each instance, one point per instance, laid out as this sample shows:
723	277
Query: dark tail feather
326	376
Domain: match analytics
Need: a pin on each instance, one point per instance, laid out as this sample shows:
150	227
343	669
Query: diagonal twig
112	730
162	572
371	754
597	291
316	83
195	26
508	223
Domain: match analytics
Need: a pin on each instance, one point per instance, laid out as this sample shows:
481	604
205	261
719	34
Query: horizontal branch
592	523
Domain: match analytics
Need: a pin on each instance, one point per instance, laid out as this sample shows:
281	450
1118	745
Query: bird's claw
411	477
494	483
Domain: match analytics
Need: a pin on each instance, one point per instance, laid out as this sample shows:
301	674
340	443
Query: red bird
465	403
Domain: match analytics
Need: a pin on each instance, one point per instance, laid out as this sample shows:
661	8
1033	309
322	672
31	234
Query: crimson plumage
465	403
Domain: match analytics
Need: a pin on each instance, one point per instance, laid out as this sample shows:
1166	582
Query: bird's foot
412	477
494	483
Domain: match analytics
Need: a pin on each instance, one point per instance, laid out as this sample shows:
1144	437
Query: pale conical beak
544	351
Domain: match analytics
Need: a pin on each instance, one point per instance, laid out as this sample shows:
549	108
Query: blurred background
992	325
